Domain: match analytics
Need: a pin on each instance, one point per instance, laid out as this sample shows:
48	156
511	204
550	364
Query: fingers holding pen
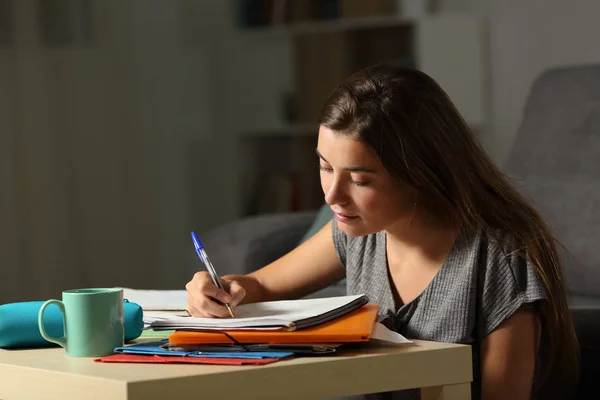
236	291
204	296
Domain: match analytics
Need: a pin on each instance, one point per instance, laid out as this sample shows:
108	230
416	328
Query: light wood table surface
443	370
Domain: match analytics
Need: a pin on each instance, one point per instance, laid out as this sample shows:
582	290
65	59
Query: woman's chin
353	229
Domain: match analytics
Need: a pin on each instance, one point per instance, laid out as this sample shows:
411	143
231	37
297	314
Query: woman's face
362	194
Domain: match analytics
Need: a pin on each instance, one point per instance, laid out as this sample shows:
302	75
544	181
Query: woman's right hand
205	299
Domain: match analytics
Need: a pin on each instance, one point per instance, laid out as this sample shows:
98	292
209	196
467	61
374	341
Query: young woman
430	230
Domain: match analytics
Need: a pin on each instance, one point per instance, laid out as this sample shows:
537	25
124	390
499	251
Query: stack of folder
261	333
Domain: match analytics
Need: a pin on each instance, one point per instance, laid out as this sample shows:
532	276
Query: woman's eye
360	183
353	181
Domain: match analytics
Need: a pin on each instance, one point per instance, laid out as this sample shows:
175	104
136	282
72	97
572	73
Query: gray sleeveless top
481	283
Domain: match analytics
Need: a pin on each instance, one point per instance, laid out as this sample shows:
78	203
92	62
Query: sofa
554	161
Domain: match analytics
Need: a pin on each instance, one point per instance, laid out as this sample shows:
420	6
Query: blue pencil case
19	324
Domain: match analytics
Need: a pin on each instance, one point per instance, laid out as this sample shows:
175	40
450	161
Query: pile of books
261	333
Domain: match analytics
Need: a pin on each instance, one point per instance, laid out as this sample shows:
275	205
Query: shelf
333	25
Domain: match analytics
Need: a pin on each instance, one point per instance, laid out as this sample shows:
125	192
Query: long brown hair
420	138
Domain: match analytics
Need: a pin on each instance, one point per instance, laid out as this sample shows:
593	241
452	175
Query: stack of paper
356	326
260	333
157	300
271	315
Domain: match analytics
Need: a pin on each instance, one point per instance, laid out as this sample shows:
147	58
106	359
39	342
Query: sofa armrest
245	245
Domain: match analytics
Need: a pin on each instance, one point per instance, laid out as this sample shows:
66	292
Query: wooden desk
444	370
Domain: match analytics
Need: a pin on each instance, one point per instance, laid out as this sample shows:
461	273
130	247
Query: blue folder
155	348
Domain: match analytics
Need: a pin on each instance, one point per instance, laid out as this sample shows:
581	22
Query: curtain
91	169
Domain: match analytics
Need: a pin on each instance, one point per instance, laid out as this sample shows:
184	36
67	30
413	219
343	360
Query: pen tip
230	309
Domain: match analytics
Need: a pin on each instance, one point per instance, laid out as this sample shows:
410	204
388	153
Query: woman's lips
344	218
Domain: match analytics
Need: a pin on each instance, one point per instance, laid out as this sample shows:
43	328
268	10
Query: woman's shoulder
504	262
491	243
506	279
496	255
503	245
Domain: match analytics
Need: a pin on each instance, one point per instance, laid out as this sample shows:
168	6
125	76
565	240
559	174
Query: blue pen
211	270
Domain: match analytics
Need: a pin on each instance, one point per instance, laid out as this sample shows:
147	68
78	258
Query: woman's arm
311	266
508	357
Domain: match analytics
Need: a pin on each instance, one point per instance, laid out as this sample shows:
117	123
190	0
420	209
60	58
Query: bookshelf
327	47
327	26
280	172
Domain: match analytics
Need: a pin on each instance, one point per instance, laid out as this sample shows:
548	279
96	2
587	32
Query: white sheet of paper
168	300
381	332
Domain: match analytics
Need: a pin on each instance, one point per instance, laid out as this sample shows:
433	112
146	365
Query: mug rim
92	291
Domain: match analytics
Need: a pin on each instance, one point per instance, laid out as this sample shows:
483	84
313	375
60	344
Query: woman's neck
431	238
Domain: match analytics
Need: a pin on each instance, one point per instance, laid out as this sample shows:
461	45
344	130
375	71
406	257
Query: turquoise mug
93	321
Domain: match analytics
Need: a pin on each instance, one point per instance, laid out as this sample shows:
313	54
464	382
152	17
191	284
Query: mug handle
60	341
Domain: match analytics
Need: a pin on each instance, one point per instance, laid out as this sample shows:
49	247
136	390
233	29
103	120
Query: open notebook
283	315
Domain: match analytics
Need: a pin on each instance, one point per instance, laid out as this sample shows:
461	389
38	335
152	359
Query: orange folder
353	327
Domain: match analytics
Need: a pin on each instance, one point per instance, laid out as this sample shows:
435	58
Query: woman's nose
335	194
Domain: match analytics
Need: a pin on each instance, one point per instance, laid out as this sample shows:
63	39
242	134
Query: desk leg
461	391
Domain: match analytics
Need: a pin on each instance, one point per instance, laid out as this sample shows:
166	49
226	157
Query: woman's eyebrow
351	169
360	169
320	155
